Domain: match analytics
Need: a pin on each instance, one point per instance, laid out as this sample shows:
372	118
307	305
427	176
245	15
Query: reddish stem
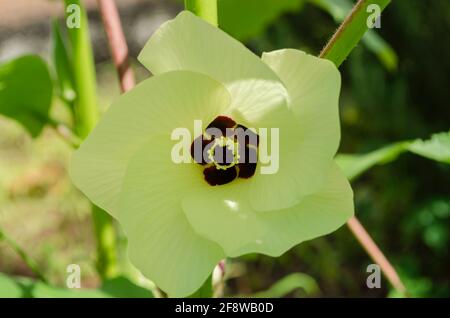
117	43
376	254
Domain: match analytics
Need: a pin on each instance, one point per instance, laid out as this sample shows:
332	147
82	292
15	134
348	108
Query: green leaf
244	19
26	92
62	65
437	148
375	43
123	287
288	284
351	31
23	287
355	165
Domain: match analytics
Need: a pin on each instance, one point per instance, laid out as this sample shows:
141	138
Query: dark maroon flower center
227	150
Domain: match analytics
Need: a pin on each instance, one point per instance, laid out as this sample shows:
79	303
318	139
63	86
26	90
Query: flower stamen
227	150
224	153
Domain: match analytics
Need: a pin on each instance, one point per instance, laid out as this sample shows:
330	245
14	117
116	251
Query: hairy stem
351	30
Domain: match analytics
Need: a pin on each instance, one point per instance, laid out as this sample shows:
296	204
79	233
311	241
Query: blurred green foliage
245	19
122	287
339	9
26	92
289	285
405	205
436	148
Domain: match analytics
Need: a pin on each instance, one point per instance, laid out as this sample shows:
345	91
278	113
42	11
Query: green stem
347	36
105	233
86	113
86	116
205	9
23	255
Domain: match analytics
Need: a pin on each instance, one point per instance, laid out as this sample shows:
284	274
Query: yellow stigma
231	145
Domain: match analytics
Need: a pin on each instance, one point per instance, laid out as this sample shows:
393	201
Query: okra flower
182	218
